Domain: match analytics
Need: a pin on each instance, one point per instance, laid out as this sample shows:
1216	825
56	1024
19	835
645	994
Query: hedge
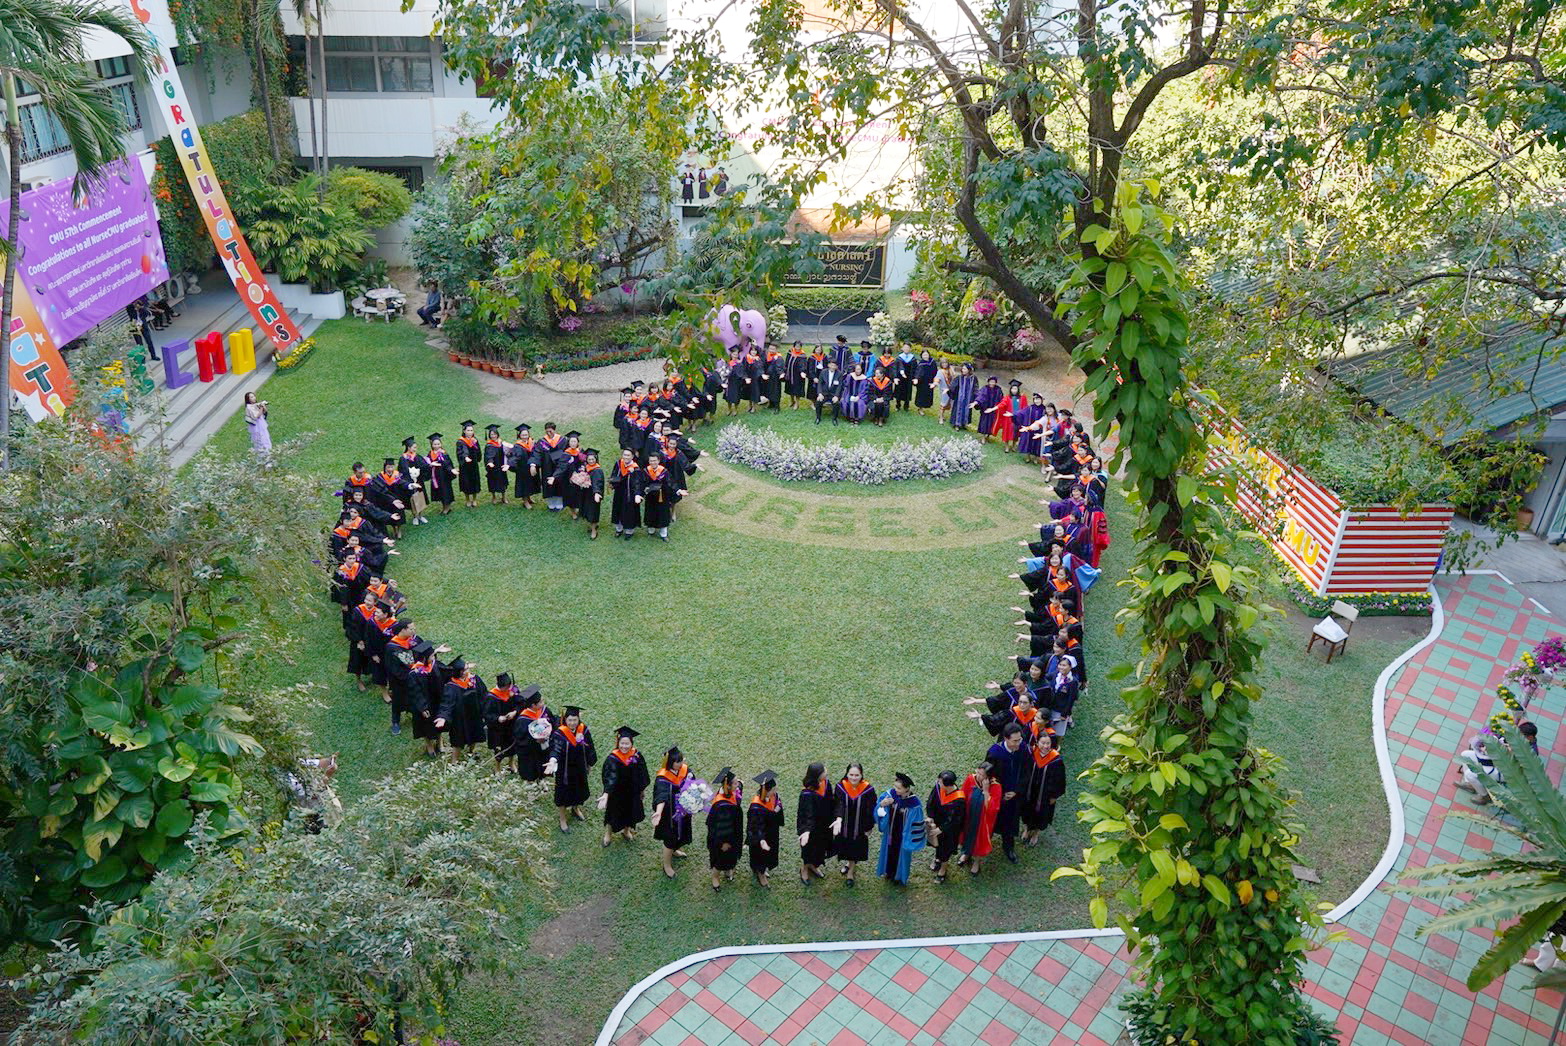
1369	604
822	299
602	358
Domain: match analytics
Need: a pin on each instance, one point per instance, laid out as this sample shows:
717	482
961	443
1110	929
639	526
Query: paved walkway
1382	984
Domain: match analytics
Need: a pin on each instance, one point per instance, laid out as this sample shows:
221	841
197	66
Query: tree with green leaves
132	611
254	29
360	933
43	43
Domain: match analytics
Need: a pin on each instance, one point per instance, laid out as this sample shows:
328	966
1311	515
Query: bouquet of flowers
694	797
1550	655
539	729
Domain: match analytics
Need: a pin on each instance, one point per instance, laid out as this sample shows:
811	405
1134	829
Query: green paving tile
638	1009
1107	1027
948	977
725	985
821	1029
1013	1018
767	1016
889	962
864	1025
873	982
1386	1007
788	998
744	1002
886	1037
924	1038
920	1010
1506	1033
926	962
670	1034
1449	1022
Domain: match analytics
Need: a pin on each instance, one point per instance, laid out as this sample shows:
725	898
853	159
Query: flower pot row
502	370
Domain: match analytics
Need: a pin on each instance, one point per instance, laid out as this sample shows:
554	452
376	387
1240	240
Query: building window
42	134
387	64
109	68
124	96
412	177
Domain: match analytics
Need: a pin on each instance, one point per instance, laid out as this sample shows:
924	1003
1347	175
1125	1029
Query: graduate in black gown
424	691
495	465
502	709
734	383
362	617
589	490
519	456
945	811
671	821
627	480
712	390
415	469
796	374
773	370
392	493
443	474
573	755
398	657
546	457
1043	783
907	372
879	393
658	496
725	827
853	819
625	783
764	826
462	709
470	460
813	820
533	739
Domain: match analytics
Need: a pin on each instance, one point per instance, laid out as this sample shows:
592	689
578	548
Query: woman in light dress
255	420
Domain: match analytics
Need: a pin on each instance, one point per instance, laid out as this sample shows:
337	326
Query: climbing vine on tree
1193	839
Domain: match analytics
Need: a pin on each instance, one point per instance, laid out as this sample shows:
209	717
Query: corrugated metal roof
1513	372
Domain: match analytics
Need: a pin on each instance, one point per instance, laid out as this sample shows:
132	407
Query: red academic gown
978	829
1005	415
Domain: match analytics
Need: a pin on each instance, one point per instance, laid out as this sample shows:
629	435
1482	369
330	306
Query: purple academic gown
989	396
961	393
1027	442
854	399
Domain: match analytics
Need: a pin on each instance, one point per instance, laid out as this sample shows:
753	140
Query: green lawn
751	652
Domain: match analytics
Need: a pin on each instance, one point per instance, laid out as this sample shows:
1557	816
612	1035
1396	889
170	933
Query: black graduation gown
348	592
424	695
880	397
725	834
376	642
858	816
948	816
500	732
398	660
657	498
569	493
763	822
469	457
905	372
442	471
772	379
625	513
495	478
407	464
814	366
531	755
462	708
734	388
548	457
797	373
1042	786
814	814
385	492
590	499
711	389
924	383
572	762
360	630
674	832
520	457
624	784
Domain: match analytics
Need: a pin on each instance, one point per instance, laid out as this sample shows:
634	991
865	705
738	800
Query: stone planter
299	298
1013	364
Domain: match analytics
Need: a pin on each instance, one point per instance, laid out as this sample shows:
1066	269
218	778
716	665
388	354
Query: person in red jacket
982	793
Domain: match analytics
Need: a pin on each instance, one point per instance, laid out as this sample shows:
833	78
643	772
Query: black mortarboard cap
904	780
491	427
638	384
727	771
625	731
593	451
571	710
423	649
470	421
626	391
1015	383
529	692
524	427
765	778
408	442
573	434
458	665
436	435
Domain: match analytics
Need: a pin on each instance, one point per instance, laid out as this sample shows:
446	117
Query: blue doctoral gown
961	393
910	839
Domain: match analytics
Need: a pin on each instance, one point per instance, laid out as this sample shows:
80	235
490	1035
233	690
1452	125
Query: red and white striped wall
1335	548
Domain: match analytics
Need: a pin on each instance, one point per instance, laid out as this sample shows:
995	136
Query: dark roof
1514	372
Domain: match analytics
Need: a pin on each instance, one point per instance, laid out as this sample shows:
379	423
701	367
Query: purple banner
82	264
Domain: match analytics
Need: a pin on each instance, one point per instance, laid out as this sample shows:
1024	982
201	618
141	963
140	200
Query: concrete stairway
182	420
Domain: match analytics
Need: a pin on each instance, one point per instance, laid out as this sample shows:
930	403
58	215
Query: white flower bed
792	460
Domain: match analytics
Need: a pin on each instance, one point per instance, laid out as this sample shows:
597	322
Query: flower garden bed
862	463
1369	604
297	355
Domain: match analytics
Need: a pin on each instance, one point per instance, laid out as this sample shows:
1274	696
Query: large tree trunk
264	85
320	30
13	224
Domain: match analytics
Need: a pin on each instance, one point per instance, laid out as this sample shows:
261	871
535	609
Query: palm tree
1528	887
41	43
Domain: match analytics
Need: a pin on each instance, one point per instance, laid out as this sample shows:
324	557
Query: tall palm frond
1528	887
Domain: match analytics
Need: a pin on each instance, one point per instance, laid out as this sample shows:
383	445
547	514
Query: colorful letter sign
221	226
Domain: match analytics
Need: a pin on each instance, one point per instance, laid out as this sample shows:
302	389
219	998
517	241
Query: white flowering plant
882	329
864	463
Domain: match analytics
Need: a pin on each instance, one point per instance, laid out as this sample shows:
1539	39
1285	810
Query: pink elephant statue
733	325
